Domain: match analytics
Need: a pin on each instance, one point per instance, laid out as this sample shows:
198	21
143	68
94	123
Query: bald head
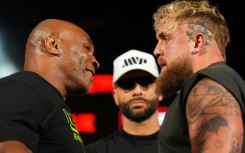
55	27
61	51
51	26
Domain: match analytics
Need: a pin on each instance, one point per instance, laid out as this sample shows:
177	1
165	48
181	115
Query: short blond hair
190	11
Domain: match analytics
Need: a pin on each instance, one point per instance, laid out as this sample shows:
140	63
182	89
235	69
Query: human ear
51	44
115	97
199	44
160	97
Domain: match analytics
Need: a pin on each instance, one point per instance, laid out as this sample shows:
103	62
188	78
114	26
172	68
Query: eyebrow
163	34
87	41
90	41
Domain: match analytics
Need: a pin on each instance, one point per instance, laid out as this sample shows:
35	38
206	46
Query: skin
63	54
137	101
213	114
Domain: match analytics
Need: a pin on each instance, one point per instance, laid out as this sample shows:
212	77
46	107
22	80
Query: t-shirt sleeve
21	114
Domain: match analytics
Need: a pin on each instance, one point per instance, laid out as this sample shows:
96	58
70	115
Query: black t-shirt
174	132
34	112
122	142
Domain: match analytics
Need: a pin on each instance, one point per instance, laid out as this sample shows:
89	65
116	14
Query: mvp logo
133	61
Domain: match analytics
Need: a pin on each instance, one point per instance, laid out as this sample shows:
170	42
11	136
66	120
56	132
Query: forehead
77	32
81	37
170	26
171	30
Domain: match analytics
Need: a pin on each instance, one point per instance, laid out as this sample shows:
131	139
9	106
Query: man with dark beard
134	76
207	115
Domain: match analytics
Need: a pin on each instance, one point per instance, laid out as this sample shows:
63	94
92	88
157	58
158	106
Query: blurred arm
13	147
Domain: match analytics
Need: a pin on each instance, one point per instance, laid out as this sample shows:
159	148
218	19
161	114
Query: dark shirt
174	133
122	142
34	112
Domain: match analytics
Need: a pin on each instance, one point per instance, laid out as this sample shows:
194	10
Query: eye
164	37
87	47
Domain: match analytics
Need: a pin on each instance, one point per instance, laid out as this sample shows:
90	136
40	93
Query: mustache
137	99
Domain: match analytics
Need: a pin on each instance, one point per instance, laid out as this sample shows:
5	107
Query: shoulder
212	113
24	78
208	88
209	95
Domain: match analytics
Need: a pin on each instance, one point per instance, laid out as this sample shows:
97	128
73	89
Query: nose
156	51
137	90
96	63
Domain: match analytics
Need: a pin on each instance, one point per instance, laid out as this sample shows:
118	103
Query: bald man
59	61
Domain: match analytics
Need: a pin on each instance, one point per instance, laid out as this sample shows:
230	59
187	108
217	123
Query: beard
171	81
136	115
